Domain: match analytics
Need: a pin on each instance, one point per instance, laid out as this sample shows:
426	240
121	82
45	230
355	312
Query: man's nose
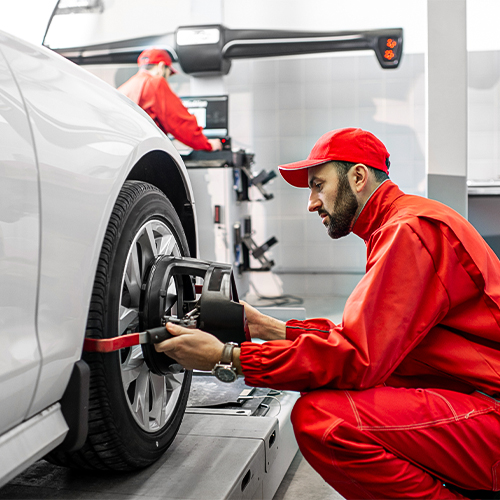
314	203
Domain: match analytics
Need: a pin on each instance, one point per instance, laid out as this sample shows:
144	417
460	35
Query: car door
19	254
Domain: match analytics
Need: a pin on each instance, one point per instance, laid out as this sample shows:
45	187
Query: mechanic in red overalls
149	89
401	398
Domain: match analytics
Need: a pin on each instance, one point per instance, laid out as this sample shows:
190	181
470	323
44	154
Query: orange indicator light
391	43
389	54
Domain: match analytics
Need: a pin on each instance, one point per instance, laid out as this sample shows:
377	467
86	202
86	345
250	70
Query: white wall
26	19
482	25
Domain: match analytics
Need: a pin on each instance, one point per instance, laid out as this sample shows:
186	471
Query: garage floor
302	481
43	480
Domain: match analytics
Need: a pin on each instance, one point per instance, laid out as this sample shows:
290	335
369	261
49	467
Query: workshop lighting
389	53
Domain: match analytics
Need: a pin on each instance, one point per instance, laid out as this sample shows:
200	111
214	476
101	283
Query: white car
91	192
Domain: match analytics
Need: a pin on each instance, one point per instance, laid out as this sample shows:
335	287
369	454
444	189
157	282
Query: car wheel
134	411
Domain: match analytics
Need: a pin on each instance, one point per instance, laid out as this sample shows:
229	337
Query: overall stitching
495	476
455	418
423	425
354	409
330	429
447	402
494	468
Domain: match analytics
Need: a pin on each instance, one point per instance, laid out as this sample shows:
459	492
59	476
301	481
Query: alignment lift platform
235	442
221	452
233	451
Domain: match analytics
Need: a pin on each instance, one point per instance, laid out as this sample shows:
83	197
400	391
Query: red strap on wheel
109	345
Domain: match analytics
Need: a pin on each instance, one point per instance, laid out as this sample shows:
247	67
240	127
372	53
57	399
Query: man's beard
346	206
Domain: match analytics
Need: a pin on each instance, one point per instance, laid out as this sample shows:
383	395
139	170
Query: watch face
225	374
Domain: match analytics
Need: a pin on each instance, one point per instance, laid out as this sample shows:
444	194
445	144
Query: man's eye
318	185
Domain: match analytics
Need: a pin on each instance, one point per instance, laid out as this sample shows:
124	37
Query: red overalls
154	95
391	408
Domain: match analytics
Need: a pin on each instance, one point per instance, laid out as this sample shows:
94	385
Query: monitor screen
211	113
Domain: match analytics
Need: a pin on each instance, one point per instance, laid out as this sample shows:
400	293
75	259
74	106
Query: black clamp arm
259	180
246	246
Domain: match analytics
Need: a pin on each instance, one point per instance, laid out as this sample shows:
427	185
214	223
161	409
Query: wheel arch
159	169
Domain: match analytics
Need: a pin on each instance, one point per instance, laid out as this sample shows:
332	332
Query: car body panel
31	440
19	255
88	137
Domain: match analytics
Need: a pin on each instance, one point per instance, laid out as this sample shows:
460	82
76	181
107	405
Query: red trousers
400	443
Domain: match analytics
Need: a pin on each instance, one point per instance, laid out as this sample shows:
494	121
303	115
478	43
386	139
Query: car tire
134	414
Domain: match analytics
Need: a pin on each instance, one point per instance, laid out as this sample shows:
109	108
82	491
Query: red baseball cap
155	56
345	144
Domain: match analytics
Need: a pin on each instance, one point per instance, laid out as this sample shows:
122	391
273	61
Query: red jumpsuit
390	405
154	95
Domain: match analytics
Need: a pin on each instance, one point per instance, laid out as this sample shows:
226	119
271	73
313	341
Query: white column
446	103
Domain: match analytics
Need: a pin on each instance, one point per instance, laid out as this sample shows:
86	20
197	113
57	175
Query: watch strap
227	353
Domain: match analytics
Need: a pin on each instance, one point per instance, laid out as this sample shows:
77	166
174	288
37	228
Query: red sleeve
390	311
175	119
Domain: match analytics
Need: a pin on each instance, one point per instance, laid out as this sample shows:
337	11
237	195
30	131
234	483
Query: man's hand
198	350
262	326
193	349
216	144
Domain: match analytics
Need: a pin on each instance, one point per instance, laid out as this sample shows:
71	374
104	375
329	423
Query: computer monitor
211	113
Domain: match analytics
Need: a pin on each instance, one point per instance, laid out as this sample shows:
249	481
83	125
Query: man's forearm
267	328
276	329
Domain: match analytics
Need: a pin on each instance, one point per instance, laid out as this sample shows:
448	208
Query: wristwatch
224	369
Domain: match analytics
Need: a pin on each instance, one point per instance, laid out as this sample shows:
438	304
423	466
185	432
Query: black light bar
209	49
122	52
204	50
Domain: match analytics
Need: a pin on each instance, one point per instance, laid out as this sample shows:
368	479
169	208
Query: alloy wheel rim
151	398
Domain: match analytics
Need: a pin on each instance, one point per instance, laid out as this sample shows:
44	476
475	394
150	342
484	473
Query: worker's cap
345	144
155	56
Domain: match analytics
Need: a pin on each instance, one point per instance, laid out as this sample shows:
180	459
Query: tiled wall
484	116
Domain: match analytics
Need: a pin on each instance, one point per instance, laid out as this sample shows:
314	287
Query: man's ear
359	176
